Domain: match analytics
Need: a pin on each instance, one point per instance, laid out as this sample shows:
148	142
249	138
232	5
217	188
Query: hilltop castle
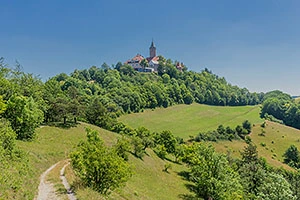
135	62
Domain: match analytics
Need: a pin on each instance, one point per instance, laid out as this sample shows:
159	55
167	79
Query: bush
97	166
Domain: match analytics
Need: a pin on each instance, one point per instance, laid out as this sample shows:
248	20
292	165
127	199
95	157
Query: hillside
148	182
272	146
182	122
186	120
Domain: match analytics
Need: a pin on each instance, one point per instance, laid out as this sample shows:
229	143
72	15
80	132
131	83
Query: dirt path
46	189
70	193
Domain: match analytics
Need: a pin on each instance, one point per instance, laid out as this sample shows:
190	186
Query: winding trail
70	193
46	189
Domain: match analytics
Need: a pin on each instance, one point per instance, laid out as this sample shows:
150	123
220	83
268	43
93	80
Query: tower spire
152	50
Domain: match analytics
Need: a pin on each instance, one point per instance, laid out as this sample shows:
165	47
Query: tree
97	166
14	165
146	137
7	138
97	114
2	105
275	187
138	147
221	130
252	171
167	139
250	154
24	116
247	125
212	175
144	64
291	156
122	148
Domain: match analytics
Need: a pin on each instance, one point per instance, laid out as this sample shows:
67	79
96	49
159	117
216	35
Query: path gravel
70	193
46	189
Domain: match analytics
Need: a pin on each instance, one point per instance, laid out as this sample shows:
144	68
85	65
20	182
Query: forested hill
126	90
100	94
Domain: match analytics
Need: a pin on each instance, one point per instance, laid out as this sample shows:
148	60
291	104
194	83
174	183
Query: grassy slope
282	137
148	182
52	145
186	120
182	117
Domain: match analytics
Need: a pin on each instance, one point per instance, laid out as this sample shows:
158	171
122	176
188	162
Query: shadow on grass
172	161
61	191
191	188
67	125
139	157
185	175
188	197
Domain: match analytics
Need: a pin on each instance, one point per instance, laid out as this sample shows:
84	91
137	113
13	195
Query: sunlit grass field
276	140
148	182
186	120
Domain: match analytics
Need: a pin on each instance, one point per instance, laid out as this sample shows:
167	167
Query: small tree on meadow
99	167
247	125
291	156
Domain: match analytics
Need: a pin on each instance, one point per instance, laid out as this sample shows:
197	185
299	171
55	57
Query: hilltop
162	124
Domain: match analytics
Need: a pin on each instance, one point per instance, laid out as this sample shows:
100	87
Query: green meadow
186	120
149	181
54	144
271	145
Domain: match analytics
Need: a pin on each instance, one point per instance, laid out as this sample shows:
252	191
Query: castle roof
154	59
138	58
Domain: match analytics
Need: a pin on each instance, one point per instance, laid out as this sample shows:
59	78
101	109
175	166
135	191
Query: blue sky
253	44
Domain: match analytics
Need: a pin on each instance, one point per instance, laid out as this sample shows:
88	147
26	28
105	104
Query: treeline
99	95
222	133
280	107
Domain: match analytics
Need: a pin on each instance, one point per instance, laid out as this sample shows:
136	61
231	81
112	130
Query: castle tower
152	50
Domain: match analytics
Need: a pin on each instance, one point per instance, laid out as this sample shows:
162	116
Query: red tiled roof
156	58
138	57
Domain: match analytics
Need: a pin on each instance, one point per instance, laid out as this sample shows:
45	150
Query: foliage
122	147
138	147
99	167
24	116
2	105
292	157
211	173
275	187
227	133
280	107
166	139
14	165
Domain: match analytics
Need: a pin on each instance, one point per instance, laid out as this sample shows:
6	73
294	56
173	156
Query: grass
276	140
54	177
186	120
148	182
53	145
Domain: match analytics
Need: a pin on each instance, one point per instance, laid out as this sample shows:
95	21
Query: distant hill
186	120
